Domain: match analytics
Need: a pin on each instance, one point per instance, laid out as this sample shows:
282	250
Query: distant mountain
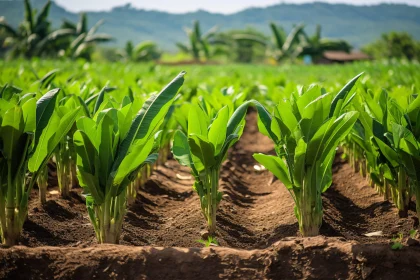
357	24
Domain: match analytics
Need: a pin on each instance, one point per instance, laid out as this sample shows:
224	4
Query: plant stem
42	182
403	198
212	186
110	216
416	187
309	207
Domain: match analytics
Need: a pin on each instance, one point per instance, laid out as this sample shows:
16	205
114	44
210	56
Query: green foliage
247	45
35	38
108	96
286	47
306	130
111	148
211	241
358	25
29	133
143	52
399	45
83	39
210	134
199	44
397	242
315	46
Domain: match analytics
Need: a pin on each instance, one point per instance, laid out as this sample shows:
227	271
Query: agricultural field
123	170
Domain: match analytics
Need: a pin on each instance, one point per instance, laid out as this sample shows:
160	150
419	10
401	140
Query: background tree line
34	37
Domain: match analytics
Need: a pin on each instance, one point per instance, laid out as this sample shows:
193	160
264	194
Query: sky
216	6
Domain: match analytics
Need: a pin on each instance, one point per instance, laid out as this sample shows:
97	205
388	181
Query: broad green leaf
202	152
40	151
134	159
90	183
12	128
299	163
217	132
341	127
324	172
29	115
55	131
44	110
328	137
276	166
148	118
388	152
197	122
107	129
181	149
343	93
229	142
89	127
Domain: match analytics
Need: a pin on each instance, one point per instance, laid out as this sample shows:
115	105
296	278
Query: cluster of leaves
34	36
306	130
387	140
394	45
204	122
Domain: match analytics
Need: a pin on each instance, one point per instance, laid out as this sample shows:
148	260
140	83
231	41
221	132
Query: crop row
107	141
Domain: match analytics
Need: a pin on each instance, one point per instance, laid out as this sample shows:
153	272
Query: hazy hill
357	24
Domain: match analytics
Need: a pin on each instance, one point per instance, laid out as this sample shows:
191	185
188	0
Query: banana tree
247	45
30	131
83	37
315	45
199	44
285	45
143	52
306	131
111	148
205	148
33	37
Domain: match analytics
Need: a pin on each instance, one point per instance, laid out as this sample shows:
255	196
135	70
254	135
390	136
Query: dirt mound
294	258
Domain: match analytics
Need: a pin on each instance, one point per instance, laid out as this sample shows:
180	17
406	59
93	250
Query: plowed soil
255	222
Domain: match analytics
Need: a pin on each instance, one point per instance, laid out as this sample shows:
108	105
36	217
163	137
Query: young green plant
205	148
111	148
30	131
306	131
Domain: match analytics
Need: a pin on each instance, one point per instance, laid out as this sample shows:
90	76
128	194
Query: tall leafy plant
198	45
34	36
30	131
205	147
306	130
111	148
392	123
285	46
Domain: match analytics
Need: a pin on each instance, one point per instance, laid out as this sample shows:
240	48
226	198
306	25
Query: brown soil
257	212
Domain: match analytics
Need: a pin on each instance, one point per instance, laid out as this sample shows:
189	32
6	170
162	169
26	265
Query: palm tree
315	46
198	44
84	38
33	36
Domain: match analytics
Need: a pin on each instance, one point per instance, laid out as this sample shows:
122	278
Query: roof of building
343	56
